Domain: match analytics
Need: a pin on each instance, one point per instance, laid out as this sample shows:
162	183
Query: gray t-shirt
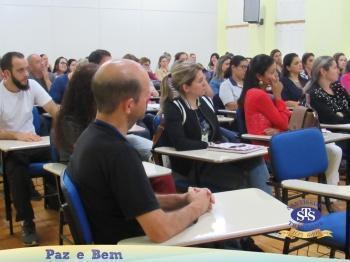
42	82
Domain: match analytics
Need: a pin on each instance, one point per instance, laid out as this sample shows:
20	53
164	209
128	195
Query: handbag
303	117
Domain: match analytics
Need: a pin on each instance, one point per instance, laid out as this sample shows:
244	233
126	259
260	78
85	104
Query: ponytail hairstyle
287	61
235	61
181	74
258	66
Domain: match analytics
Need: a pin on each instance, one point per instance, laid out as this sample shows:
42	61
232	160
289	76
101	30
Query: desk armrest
339	192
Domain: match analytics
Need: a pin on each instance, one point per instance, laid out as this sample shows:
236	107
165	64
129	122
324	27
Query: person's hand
276	87
197	189
201	197
45	74
27	137
271	131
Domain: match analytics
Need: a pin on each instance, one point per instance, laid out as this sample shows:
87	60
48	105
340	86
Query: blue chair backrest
77	219
36	120
298	154
156	121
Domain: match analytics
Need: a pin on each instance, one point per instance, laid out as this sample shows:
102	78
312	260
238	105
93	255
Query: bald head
116	81
35	63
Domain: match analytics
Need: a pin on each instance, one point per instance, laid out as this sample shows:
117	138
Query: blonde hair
219	74
324	62
181	74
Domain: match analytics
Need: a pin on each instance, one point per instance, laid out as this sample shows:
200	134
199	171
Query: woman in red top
268	115
265	114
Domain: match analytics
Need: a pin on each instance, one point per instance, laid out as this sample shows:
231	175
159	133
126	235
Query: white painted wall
291	37
238	38
73	28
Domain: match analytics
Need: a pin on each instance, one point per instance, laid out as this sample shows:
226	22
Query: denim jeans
235	175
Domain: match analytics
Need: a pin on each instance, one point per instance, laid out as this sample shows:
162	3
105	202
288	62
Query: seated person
327	96
18	95
231	88
191	123
291	80
266	116
59	86
78	110
39	73
345	78
221	67
108	172
146	64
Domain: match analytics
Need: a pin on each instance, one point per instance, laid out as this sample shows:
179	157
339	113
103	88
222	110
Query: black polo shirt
111	182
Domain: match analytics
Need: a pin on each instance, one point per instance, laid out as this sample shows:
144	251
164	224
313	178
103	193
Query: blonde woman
191	123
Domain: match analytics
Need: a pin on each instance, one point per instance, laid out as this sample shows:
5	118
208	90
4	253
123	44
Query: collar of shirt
110	127
233	82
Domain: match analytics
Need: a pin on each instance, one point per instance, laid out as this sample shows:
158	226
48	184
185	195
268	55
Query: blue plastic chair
74	212
36	169
301	154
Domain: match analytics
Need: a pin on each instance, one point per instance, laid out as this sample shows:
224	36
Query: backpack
160	125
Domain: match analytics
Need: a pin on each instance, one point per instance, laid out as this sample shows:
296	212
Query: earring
261	83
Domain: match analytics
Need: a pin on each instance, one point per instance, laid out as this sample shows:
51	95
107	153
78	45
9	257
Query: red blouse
261	112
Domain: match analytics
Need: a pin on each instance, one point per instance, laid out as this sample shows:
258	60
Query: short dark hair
131	57
97	56
109	93
144	60
70	61
6	61
305	57
178	55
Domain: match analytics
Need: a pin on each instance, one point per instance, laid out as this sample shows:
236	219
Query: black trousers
17	163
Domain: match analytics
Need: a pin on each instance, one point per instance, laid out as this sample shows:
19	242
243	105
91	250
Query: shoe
35	195
248	244
29	237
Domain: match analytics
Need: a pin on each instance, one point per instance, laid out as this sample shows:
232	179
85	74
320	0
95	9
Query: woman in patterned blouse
327	96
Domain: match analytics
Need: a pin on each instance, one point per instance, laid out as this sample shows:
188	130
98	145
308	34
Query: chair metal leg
285	196
7	196
332	253
61	225
286	246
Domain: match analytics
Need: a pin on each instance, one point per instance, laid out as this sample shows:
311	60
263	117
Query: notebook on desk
240	148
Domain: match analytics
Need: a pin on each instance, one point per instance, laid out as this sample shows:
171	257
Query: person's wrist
278	96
